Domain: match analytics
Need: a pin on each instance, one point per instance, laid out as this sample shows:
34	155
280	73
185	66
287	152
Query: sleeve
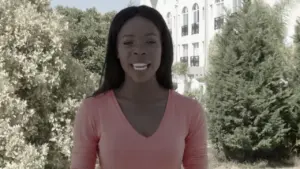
85	139
195	153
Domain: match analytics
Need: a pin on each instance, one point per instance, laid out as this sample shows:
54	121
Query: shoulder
186	102
187	106
92	104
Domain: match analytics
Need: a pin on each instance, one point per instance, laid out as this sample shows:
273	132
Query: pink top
102	130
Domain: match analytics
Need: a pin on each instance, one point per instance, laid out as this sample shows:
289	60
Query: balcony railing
218	22
194	61
195	28
184	30
184	59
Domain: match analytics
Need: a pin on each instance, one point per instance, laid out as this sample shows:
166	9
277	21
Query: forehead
138	26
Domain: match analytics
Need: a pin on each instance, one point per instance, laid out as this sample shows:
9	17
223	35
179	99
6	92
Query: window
195	49
195	25
219	8
219	17
185	50
218	22
196	13
194	61
184	58
169	22
185	17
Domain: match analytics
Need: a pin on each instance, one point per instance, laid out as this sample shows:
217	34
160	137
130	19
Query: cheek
123	62
123	59
157	59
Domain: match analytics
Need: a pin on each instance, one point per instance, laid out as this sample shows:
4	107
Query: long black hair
113	75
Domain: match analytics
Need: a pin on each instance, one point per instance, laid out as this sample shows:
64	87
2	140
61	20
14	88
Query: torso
130	138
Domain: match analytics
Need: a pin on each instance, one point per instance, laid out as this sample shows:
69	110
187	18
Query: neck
141	92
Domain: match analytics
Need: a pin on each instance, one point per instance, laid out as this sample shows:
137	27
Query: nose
139	51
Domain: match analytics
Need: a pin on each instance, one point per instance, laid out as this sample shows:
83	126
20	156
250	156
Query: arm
195	153
85	146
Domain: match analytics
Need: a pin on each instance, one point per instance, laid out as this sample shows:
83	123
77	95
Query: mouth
140	66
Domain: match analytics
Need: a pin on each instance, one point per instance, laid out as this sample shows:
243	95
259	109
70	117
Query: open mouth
140	66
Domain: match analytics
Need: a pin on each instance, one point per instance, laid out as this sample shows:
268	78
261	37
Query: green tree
41	86
297	45
181	70
296	80
87	35
30	66
247	87
15	152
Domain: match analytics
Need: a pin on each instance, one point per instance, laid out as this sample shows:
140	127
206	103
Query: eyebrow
150	34
147	34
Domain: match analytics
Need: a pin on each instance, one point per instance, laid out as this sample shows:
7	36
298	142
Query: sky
102	5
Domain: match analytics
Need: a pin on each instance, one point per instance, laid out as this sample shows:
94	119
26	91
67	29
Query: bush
248	87
40	87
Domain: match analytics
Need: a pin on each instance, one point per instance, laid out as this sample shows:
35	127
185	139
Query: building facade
193	24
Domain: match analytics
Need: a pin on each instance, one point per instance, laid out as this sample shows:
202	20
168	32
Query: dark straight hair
113	75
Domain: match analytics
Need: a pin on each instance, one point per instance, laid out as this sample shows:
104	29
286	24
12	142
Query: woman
135	120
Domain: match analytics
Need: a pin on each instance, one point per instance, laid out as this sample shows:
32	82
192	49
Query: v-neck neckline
131	127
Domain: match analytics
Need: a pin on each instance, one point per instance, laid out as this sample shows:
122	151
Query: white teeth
140	66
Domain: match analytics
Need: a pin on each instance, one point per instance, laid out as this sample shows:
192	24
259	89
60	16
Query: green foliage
41	83
248	91
180	69
297	44
30	66
86	38
296	79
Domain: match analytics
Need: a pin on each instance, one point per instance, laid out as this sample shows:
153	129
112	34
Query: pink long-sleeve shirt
101	130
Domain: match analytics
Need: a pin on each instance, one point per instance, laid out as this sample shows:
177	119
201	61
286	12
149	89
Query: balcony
195	28
194	61
218	22
184	59
184	30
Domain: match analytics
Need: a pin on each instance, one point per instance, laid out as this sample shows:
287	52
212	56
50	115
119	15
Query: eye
151	42
128	43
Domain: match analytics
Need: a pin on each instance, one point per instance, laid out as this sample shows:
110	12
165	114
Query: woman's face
139	49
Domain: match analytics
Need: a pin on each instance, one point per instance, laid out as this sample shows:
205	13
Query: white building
193	23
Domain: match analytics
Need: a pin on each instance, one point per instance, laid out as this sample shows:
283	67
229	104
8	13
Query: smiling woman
136	120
